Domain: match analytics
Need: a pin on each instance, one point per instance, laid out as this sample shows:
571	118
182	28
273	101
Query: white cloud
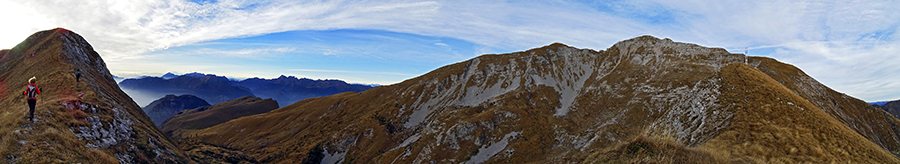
252	53
844	44
126	28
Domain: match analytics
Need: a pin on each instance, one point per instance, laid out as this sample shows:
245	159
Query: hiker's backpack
31	93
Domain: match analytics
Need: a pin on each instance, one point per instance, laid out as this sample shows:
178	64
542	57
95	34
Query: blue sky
362	56
850	46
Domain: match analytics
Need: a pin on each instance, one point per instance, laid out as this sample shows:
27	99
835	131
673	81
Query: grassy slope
368	122
765	129
876	125
369	117
217	113
775	125
50	139
655	150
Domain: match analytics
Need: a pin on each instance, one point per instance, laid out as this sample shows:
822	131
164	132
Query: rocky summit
91	121
643	100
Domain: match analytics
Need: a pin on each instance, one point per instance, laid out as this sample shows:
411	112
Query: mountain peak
62	30
282	77
645	40
196	74
169	75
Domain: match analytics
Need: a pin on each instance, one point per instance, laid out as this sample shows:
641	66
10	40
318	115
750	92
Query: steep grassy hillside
771	124
876	125
642	100
102	126
775	125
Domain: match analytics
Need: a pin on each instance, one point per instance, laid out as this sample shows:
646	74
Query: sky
850	46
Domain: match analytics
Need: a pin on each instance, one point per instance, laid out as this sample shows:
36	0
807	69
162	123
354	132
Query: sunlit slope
550	104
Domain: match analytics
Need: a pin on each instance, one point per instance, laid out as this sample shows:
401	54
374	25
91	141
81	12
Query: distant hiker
77	75
31	93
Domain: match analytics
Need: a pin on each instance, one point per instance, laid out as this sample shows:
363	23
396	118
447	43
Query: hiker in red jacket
31	93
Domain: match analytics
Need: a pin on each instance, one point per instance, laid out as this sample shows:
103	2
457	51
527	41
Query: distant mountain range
879	103
215	89
212	88
289	89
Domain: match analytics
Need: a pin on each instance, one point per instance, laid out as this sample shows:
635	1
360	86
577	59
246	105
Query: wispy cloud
255	53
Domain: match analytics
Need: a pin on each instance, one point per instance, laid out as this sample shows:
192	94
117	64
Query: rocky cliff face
165	107
88	122
642	100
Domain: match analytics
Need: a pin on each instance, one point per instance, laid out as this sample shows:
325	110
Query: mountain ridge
91	121
558	104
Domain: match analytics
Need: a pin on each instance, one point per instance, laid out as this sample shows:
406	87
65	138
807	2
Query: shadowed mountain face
165	107
213	89
643	100
91	121
207	116
892	107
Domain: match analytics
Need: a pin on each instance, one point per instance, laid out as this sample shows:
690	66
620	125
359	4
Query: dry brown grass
768	129
193	119
643	149
764	129
868	121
